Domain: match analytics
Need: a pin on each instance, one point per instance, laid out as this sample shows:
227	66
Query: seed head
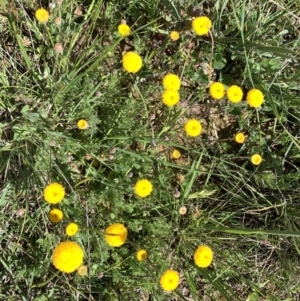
59	49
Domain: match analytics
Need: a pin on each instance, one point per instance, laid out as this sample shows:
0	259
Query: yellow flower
141	255
255	98
256	159
174	35
82	124
182	210
239	138
176	154
203	256
124	30
143	188
72	229
234	94
169	280
217	90
132	62
116	235
55	215
170	98
82	270
201	25
67	256
193	128
42	15
54	193
171	82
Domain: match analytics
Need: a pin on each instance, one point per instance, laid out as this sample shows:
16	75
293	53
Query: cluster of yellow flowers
255	97
132	63
68	256
170	279
54	193
171	84
234	93
255	159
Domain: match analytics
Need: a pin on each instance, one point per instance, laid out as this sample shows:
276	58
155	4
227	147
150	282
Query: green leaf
4	198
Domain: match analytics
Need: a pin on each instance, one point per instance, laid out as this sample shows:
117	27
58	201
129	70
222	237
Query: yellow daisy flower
239	138
116	235
171	82
255	98
143	188
193	128
55	215
67	256
217	90
54	193
203	256
169	280
256	159
170	98
82	124
72	229
132	62
201	25
234	94
42	15
141	255
124	30
82	270
176	154
174	35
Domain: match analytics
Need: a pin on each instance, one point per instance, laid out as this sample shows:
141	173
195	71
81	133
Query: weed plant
70	114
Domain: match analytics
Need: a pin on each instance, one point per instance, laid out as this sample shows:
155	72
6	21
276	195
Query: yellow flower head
182	210
203	256
72	229
116	235
201	25
141	255
169	280
54	193
82	124
176	154
239	138
217	90
143	188
55	215
255	98
82	270
171	82
124	30
256	159
234	94
42	15
132	62
193	128
170	98
67	256
174	35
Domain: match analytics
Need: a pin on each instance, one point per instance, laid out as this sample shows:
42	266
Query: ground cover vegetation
149	150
